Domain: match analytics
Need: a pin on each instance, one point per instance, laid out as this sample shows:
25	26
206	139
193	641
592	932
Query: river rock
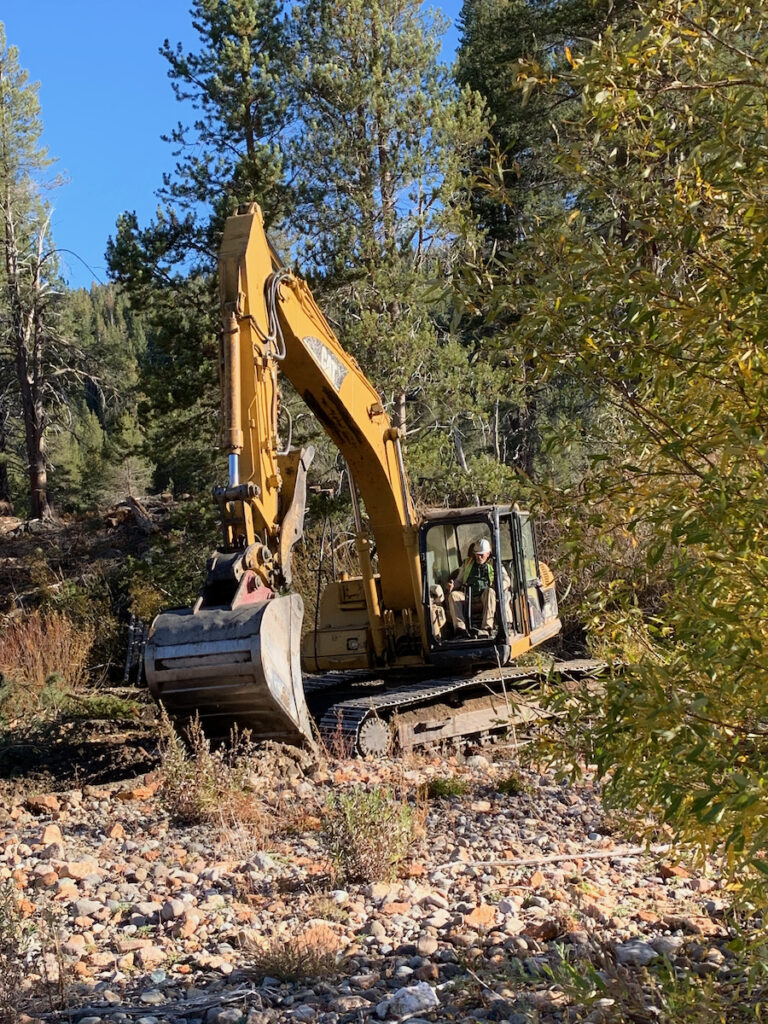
635	953
418	998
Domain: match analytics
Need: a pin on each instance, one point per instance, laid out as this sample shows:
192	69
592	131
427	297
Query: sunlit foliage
648	290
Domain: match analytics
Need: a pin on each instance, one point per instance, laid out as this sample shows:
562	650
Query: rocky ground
507	907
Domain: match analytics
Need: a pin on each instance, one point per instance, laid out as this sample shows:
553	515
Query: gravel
158	923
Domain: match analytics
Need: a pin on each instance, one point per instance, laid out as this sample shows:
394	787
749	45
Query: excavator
388	667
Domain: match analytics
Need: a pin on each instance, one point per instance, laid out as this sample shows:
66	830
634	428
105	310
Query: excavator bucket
232	665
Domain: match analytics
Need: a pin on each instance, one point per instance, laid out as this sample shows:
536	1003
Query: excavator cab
521	611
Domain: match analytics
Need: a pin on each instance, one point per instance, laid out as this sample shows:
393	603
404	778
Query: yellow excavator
388	666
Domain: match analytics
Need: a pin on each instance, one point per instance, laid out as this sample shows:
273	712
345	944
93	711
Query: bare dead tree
38	363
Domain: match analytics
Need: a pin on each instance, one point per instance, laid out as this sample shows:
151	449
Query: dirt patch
58	756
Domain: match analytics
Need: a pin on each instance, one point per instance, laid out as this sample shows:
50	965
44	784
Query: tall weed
16	937
200	784
367	833
42	652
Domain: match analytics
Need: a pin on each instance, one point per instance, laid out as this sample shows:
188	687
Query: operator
476	573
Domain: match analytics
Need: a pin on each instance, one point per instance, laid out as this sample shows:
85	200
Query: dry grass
325	908
238	839
335	746
53	969
367	834
314	953
39	654
202	785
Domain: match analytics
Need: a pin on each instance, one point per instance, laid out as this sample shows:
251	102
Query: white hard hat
483	547
437	593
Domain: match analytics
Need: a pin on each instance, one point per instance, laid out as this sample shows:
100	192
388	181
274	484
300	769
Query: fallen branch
142	518
77	1012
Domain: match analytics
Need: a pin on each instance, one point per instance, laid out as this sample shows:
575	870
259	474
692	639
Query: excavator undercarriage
374	717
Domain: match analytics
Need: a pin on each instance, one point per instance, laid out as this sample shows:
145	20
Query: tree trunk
34	435
27	332
6	506
527	422
529	425
38	489
461	458
496	444
400	414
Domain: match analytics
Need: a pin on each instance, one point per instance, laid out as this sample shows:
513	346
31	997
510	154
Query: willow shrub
647	292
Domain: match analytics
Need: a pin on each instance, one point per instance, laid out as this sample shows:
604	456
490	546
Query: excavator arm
271	320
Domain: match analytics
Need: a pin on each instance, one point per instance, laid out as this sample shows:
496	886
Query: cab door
528	569
513	604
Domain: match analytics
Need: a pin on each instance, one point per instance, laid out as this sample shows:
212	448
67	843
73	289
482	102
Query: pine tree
76	454
229	155
520	153
97	452
496	36
379	160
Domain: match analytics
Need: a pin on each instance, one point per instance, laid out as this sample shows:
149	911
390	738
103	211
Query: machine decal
329	363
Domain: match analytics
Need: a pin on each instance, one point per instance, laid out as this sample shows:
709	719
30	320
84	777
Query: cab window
447	547
442	553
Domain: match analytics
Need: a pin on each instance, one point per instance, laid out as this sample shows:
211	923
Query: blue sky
106	101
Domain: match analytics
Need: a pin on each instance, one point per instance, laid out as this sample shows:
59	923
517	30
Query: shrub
104	707
44	653
452	786
200	784
512	784
367	833
661	992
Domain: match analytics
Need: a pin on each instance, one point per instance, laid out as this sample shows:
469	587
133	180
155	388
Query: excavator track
432	711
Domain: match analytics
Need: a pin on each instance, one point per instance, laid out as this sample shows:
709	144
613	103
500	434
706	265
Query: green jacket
478	577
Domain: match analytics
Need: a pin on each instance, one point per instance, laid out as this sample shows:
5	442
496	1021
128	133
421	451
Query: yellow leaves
629	537
663	315
745	360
